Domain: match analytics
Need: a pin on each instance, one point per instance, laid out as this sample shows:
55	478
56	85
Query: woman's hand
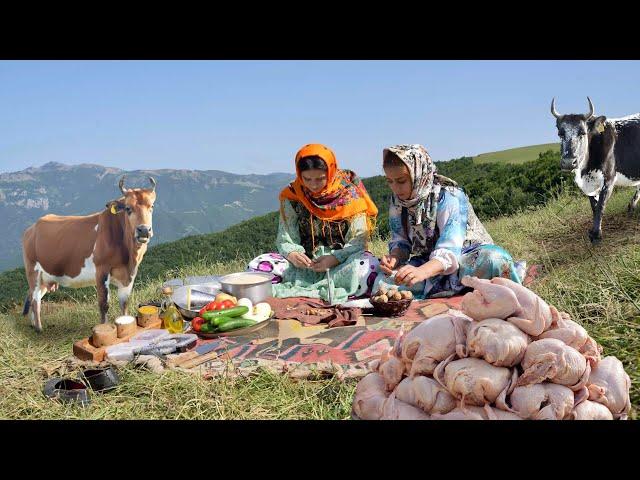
320	264
388	263
410	275
299	259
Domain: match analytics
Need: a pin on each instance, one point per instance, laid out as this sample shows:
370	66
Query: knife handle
198	360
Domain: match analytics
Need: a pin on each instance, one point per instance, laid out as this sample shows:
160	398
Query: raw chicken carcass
476	413
553	360
370	396
474	381
534	314
425	393
589	410
394	409
392	370
542	401
609	385
488	300
498	342
432	341
574	335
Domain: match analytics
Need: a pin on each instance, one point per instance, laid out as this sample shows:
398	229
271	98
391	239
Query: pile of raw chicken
508	356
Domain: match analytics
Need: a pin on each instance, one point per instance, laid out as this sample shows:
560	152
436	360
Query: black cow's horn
153	183
553	108
121	185
591	110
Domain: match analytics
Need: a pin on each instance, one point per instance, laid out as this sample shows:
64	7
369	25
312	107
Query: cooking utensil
197	352
200	296
67	390
194	362
100	379
329	292
257	291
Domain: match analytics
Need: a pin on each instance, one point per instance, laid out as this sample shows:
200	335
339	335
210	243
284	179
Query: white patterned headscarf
425	192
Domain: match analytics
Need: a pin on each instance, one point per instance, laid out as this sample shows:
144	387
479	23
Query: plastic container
124	352
151	335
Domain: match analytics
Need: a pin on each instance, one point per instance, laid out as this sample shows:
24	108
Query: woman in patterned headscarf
436	238
326	219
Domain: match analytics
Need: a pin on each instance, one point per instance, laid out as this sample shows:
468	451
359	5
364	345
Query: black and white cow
602	152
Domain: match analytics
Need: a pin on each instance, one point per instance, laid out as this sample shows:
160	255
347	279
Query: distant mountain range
189	202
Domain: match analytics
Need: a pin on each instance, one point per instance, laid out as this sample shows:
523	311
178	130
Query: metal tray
235	333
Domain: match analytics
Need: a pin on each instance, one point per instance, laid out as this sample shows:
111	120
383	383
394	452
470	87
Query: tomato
227	304
196	323
206	308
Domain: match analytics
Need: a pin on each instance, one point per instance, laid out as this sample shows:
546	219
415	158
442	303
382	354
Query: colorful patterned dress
346	240
459	241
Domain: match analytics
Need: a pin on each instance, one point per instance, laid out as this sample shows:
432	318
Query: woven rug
300	351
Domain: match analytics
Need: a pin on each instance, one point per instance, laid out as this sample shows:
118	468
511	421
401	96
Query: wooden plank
84	350
199	360
433	309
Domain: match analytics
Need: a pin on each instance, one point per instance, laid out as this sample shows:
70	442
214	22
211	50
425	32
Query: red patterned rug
289	347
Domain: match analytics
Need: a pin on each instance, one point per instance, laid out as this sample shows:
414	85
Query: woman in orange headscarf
326	220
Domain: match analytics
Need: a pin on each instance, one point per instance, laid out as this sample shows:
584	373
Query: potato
397	296
406	294
383	298
382	290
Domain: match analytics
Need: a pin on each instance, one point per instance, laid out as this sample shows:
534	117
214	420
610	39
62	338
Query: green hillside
494	189
598	286
516	155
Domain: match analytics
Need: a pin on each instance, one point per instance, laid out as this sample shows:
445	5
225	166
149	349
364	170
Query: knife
196	352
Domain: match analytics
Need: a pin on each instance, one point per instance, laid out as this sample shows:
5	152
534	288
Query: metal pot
256	292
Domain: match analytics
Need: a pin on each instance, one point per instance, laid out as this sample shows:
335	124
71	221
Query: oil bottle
171	318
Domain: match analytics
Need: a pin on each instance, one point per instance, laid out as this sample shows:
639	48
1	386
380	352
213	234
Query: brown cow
99	249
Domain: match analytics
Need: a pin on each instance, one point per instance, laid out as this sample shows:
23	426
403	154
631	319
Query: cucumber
207	328
228	312
220	320
235	323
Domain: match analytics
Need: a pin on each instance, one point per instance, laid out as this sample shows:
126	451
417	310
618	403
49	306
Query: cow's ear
115	206
597	124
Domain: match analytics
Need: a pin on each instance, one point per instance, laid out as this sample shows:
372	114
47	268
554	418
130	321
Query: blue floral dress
459	241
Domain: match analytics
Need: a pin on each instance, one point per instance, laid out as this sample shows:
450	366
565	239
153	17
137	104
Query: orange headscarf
343	197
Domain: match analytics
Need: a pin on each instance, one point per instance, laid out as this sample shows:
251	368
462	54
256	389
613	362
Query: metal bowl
256	292
200	296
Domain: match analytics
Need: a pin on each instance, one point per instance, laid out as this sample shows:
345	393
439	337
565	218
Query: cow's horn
153	183
121	185
553	108
591	110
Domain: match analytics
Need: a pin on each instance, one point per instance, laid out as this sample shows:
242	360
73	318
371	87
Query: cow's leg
634	201
593	201
123	297
39	292
595	234
102	286
32	279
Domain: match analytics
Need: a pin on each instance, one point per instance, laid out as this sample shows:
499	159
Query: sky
252	116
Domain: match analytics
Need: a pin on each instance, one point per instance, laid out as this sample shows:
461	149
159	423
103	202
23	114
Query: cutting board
84	350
